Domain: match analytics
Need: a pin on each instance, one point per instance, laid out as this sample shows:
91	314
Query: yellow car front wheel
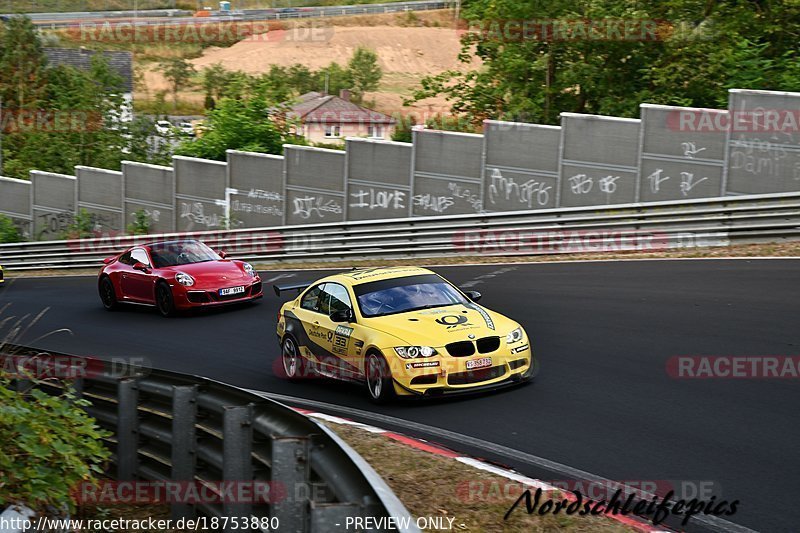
379	378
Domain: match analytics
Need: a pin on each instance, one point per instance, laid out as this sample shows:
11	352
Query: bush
50	445
81	226
8	231
141	223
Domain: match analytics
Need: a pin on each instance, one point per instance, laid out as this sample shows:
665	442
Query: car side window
311	299
125	258
338	298
138	255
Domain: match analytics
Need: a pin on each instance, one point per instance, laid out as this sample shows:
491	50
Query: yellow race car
2	276
403	331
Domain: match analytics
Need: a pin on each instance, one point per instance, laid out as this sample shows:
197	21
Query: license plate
479	363
231	290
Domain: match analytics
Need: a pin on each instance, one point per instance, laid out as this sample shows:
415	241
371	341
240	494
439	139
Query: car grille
461	348
476	376
488	344
256	288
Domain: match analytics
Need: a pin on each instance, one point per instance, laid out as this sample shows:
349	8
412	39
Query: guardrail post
127	428
77	386
237	462
290	467
184	414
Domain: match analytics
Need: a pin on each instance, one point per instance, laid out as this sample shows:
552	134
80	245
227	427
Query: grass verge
434	486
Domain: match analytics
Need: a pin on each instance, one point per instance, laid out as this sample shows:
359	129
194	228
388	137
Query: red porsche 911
175	276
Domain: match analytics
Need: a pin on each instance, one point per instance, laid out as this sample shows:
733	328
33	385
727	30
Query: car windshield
167	254
400	295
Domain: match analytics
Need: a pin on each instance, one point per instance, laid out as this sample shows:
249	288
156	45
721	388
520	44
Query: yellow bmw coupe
403	331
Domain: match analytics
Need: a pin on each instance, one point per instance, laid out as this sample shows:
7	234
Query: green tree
22	64
179	74
8	231
214	79
335	78
78	122
364	72
686	52
238	125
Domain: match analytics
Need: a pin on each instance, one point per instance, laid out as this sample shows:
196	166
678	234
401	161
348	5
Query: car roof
358	276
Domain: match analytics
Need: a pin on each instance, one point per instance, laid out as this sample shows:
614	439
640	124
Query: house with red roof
325	118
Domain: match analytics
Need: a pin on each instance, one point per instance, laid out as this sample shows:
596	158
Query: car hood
443	325
213	274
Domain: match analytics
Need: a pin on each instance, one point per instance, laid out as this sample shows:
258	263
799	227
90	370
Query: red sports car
176	275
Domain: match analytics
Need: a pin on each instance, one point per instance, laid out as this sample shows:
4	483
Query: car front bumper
193	298
445	375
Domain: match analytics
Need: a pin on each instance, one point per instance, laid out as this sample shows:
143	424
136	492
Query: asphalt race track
603	402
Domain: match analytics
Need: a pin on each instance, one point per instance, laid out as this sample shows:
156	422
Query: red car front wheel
164	300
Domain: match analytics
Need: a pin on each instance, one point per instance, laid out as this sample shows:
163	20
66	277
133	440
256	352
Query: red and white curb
436	449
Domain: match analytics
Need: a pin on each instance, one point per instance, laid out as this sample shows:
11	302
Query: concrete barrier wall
378	179
670	153
599	159
53	204
15	203
520	166
200	187
763	142
446	173
100	195
150	189
314	185
681	157
255	196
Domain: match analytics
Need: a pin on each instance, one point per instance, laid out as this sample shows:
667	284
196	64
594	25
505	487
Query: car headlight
184	279
412	352
249	269
514	336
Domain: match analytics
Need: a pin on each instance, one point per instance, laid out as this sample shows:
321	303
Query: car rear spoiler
279	288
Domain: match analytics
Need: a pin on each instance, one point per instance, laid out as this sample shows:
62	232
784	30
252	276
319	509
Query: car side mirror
345	315
473	295
109	260
222	254
141	266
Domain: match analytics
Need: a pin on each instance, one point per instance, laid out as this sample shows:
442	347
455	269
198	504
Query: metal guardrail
716	221
170	426
66	20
